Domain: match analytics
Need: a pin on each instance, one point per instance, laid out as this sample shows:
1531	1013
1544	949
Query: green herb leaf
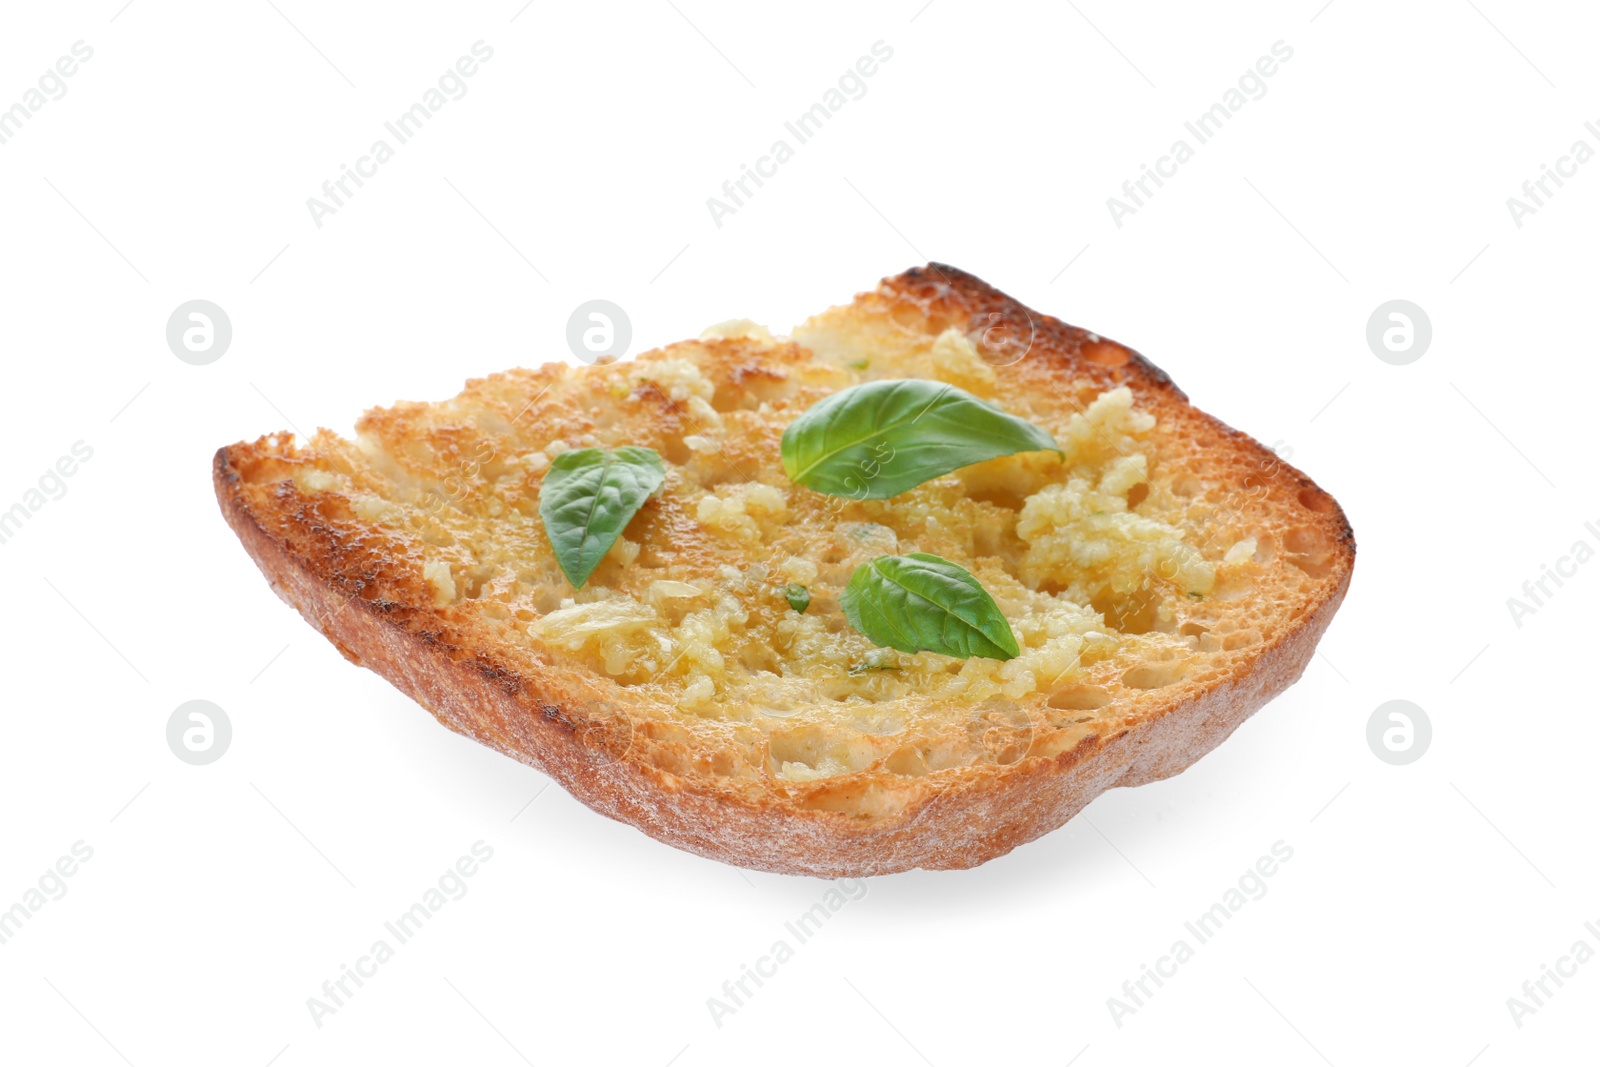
798	596
588	497
881	438
921	603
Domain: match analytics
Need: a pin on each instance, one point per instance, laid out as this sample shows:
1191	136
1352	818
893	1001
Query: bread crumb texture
1135	568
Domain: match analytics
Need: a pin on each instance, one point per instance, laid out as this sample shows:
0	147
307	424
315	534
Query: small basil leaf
798	596
588	497
921	603
881	438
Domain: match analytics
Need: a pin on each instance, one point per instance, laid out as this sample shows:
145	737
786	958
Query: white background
1377	166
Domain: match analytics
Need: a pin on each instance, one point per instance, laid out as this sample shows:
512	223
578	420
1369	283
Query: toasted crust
548	717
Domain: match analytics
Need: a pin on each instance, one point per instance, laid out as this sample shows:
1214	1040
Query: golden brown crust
361	594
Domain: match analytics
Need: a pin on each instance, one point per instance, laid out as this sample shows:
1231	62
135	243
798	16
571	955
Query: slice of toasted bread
1164	574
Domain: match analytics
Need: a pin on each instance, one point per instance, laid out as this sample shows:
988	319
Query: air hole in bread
1153	676
1080	698
1318	565
1240	639
1309	550
1304	539
1315	499
473	581
1136	613
999	496
756	657
1137	494
861	802
1051	586
805	745
674	450
907	761
1104	353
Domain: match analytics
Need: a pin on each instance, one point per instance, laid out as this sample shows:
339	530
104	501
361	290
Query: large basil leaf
881	438
588	496
921	603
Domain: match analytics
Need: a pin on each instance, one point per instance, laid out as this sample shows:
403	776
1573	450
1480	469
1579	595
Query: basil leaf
588	497
921	603
798	596
881	438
